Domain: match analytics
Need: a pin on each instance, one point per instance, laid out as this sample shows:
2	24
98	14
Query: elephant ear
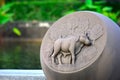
96	32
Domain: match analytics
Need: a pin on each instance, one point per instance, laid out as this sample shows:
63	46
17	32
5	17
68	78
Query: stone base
22	75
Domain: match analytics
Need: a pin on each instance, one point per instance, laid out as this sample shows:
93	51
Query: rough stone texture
81	46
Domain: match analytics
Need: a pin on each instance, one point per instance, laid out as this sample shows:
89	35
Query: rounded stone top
74	42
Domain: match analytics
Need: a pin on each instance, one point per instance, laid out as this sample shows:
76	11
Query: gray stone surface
22	75
81	46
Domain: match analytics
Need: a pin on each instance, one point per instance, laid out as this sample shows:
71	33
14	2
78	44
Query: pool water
20	55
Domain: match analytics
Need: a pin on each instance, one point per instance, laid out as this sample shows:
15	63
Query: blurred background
23	24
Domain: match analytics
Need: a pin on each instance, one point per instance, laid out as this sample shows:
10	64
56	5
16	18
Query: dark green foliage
110	10
42	11
4	15
52	10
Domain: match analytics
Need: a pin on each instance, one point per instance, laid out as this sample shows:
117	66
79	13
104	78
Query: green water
19	55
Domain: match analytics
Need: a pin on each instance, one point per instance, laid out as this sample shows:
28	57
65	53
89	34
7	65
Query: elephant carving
67	46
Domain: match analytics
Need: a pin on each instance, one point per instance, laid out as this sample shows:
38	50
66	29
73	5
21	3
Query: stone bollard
82	46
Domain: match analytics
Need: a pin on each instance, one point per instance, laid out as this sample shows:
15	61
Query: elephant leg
55	53
73	57
59	59
72	53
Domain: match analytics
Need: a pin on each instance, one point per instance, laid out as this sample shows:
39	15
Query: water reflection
20	55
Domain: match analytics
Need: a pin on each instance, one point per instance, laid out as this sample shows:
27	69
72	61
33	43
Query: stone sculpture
81	46
67	46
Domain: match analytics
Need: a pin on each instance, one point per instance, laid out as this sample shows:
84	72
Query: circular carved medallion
73	42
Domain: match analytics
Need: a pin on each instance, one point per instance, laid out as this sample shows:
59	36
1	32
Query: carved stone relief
73	42
64	49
